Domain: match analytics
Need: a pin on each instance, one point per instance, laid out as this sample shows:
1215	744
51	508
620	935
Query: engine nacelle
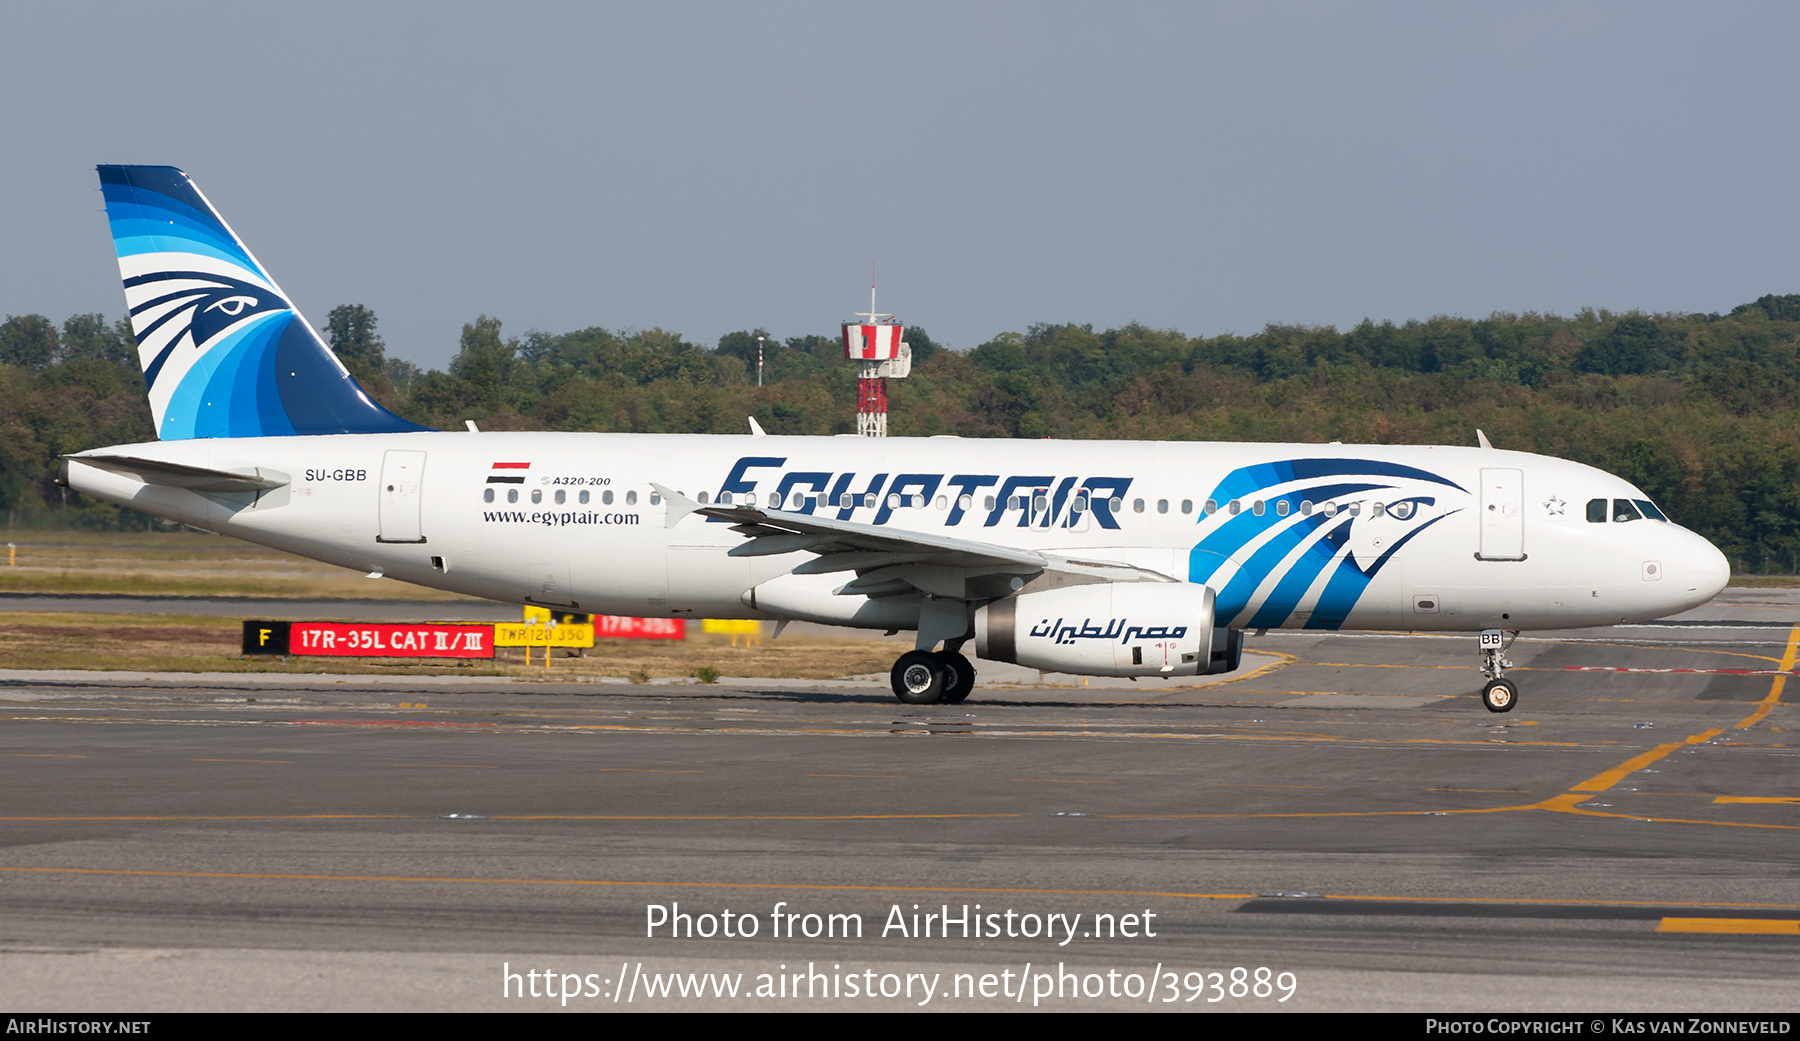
1109	629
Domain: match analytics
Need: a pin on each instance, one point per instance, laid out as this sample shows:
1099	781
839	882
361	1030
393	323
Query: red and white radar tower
876	346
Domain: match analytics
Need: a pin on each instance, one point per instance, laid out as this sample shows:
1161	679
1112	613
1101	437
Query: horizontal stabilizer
181	475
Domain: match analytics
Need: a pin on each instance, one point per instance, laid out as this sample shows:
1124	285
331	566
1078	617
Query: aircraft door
1502	514
402	491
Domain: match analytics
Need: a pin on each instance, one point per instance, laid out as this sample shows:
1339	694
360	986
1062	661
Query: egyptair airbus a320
1101	558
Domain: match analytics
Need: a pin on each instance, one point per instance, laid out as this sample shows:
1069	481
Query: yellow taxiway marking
1775	688
1569	801
667	884
830	888
227	817
287	762
451	766
1763	926
1791	800
1602	781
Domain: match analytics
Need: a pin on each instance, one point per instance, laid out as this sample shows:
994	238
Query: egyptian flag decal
508	478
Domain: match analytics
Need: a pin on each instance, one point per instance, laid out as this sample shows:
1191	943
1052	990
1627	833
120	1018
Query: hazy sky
710	167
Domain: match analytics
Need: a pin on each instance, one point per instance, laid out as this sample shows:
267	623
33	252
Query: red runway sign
369	639
618	627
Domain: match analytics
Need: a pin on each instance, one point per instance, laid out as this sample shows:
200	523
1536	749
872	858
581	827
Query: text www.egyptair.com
1037	984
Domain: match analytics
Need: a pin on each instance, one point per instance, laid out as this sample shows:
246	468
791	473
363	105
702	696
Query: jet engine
1110	629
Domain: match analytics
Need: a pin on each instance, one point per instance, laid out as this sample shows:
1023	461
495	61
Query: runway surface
1349	815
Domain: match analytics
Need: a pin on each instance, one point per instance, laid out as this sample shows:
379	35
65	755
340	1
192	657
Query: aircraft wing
888	561
181	475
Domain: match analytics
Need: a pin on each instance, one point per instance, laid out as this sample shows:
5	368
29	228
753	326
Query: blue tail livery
224	353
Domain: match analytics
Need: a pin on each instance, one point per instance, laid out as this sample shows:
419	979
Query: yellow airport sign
519	634
734	626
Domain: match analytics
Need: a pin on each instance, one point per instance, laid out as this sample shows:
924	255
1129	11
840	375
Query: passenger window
1596	511
844	501
893	501
1162	505
512	495
990	503
1331	509
1624	511
1257	507
1079	505
1377	510
775	501
943	502
1115	504
1356	509
724	499
561	497
1040	503
965	501
749	499
1650	509
1137	505
1281	507
487	495
1305	507
869	500
1212	506
703	498
1187	506
537	496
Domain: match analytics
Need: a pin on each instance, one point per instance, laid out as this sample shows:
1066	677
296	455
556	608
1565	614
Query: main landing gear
1500	694
931	677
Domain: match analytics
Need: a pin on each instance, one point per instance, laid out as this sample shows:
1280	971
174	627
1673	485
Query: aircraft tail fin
224	353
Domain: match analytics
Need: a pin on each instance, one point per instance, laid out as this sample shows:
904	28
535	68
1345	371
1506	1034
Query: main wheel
959	677
1499	695
918	678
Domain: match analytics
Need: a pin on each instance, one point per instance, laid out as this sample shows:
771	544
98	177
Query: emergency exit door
402	493
1502	514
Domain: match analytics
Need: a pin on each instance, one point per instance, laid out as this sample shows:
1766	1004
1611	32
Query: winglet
1481	439
679	505
756	428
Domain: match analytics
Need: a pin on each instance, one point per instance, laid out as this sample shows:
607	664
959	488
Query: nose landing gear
1500	694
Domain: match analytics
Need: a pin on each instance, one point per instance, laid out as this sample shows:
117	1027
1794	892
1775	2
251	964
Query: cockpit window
1596	511
1650	509
1624	511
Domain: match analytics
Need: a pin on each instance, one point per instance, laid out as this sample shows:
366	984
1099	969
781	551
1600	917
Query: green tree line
1700	410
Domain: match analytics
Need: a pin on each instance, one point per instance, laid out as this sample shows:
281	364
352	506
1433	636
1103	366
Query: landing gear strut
1500	694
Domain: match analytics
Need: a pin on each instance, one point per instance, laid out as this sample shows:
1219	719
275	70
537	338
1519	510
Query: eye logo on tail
224	352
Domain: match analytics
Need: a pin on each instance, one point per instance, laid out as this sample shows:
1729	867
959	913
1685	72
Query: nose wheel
1500	694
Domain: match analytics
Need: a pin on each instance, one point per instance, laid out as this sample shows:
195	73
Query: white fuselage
1354	537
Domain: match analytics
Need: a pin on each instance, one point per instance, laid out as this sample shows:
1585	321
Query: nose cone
1706	570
